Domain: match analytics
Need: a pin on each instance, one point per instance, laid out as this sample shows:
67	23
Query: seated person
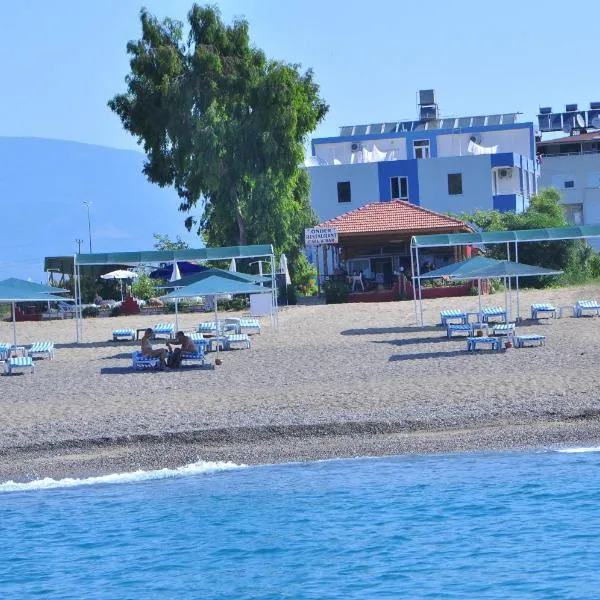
187	345
147	349
98	299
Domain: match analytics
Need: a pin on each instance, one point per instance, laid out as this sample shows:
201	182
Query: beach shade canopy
481	267
189	279
216	285
37	288
185	267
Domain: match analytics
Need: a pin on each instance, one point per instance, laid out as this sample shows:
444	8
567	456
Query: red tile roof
593	136
394	216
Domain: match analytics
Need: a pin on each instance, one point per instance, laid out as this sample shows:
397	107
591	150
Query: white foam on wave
580	450
47	483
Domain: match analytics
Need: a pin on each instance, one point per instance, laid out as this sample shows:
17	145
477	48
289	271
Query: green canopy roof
233	275
158	256
481	267
22	292
39	288
520	235
215	284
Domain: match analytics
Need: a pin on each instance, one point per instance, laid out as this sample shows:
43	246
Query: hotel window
455	184
570	184
399	188
343	190
574	214
421	148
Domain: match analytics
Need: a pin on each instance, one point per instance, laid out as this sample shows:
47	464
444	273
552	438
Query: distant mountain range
43	185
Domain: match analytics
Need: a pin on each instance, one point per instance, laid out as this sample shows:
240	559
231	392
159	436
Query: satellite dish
580	120
596	122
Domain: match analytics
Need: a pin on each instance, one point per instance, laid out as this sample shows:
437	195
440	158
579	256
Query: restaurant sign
318	236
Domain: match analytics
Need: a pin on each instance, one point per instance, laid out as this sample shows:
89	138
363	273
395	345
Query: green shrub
90	311
336	291
169	307
144	288
236	303
304	276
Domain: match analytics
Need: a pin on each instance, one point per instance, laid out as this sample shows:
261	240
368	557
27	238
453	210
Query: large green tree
225	126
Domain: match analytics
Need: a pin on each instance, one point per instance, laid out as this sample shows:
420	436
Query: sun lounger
473	342
491	312
584	305
249	326
208	327
42	349
542	308
237	338
521	340
193	356
140	362
18	362
503	329
197	338
446	315
167	329
457	327
123	333
4	351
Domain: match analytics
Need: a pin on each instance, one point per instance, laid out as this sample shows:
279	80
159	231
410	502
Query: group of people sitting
169	358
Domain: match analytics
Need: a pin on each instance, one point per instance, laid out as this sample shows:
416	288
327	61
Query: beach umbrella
13	292
283	268
185	268
119	274
232	266
175	275
216	283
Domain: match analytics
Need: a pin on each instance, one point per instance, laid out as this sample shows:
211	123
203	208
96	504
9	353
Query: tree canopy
225	126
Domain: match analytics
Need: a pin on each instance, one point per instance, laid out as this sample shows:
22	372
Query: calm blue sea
511	525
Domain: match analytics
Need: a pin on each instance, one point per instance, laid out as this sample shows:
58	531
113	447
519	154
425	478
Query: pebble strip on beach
332	381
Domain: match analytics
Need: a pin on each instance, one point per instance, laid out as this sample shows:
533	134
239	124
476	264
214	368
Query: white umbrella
232	266
120	274
283	268
175	276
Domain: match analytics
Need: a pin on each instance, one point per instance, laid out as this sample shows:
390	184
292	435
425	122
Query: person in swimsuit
147	349
187	345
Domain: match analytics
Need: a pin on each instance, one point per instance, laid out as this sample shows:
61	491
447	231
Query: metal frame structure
515	237
136	259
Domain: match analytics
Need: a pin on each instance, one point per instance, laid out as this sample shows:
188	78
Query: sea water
510	525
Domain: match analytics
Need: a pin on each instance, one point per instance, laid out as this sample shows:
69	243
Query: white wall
583	170
476	183
510	140
510	184
364	187
341	151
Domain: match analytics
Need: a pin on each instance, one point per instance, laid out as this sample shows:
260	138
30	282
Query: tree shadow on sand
384	330
108	344
413	341
426	355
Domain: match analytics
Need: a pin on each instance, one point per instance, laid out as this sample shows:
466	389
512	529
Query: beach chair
473	342
234	339
167	329
503	329
536	309
492	312
41	349
4	351
585	305
194	356
208	327
456	328
446	315
18	362
117	334
522	340
139	362
249	326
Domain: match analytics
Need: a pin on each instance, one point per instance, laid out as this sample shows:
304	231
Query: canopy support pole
218	326
479	297
77	293
412	277
14	315
517	281
176	314
274	309
508	309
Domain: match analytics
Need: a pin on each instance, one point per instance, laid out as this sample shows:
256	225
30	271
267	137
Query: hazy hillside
43	184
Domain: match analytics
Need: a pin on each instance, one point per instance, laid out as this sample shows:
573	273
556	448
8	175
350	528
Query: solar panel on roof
464	122
493	119
478	121
509	118
360	129
448	123
405	126
556	121
435	124
375	127
346	130
419	125
390	127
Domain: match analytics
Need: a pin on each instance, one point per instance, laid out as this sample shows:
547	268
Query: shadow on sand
446	354
384	330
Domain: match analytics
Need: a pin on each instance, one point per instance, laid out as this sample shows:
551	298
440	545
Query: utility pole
87	203
78	242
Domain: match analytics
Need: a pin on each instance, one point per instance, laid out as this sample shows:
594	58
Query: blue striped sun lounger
585	305
522	340
209	327
123	333
492	312
167	329
41	349
446	315
457	328
250	326
473	342
503	329
18	362
194	356
4	351
542	308
236	338
139	362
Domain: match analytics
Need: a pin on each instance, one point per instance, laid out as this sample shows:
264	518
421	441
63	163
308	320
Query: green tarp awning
481	267
38	288
233	275
216	284
520	235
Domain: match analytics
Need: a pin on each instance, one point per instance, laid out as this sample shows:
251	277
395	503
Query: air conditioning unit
355	146
505	173
475	138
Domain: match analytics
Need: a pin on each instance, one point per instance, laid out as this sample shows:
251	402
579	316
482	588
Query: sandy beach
331	381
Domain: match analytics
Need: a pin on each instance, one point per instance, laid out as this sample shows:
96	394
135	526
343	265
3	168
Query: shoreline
285	444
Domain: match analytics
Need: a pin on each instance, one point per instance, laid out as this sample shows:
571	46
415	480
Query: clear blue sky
63	59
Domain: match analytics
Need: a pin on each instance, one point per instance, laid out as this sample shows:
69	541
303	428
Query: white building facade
455	165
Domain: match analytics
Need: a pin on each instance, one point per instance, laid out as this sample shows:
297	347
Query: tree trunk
243	240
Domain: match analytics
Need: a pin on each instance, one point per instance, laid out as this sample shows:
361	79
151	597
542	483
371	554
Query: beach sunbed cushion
163	329
542	308
237	338
521	340
472	343
492	311
42	349
583	305
248	325
19	362
123	333
457	327
452	313
140	362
